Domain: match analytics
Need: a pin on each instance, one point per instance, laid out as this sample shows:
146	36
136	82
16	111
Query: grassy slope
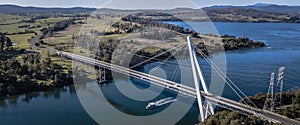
21	40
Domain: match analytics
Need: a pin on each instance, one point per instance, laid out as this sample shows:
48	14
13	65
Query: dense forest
227	117
30	73
290	102
233	43
248	15
285	9
290	108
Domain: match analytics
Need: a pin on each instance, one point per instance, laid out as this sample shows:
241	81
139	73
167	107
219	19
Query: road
186	90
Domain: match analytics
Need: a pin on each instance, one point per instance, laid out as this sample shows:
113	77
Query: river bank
31	72
290	108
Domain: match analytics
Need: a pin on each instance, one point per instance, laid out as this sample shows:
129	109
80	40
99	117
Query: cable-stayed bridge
205	99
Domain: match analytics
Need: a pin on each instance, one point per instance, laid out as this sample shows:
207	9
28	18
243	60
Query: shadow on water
28	97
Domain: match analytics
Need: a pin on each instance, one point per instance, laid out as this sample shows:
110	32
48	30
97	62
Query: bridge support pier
101	75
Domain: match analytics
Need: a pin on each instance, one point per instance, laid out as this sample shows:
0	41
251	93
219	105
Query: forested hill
249	15
265	7
19	9
253	13
220	15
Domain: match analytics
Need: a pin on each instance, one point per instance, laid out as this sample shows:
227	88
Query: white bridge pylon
198	76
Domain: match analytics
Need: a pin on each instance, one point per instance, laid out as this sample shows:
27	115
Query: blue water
57	107
249	68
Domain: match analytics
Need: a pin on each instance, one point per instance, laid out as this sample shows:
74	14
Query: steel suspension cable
225	78
174	48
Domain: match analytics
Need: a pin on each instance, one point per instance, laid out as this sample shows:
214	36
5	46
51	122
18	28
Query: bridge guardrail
181	88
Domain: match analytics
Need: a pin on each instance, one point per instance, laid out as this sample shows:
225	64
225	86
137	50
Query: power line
280	81
270	102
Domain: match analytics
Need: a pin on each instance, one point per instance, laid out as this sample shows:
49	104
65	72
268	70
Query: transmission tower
270	102
280	81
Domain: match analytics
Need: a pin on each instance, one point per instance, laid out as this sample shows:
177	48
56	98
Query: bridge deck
186	90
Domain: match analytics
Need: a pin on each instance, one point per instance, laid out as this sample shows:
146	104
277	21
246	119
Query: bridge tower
280	81
197	75
270	102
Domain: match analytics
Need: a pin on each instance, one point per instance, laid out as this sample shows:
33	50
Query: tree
8	43
2	41
296	100
194	34
23	78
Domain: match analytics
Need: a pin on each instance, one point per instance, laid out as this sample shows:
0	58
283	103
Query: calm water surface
248	68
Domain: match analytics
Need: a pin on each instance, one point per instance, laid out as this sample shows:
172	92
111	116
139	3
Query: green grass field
10	23
14	28
21	40
8	19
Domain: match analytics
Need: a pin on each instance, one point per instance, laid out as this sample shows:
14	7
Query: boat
153	105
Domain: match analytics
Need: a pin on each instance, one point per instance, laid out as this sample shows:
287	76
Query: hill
249	15
220	15
252	13
20	9
265	7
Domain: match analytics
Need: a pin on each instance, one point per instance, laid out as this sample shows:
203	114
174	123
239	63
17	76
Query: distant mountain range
252	13
259	6
266	7
20	9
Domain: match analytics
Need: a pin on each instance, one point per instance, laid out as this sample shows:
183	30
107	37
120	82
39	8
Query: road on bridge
183	89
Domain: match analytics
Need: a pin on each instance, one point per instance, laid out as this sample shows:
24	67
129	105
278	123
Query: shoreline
230	43
233	22
36	88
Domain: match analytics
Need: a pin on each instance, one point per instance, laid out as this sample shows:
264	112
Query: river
249	68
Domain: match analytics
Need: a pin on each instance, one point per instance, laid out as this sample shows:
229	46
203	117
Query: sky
142	4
